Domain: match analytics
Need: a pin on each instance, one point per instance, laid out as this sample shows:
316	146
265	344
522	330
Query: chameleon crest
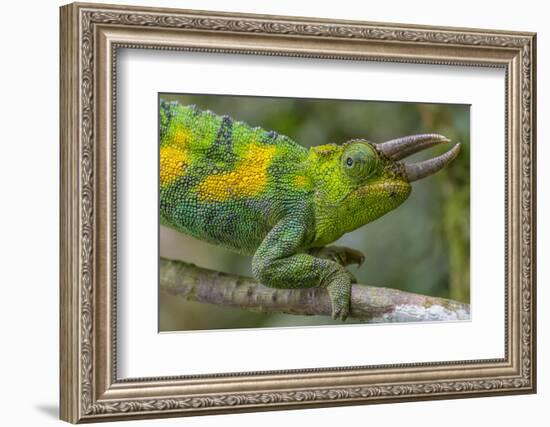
259	193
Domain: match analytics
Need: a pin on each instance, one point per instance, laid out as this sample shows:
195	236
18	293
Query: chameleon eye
360	161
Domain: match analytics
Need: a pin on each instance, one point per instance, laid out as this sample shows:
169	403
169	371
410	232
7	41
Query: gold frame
90	36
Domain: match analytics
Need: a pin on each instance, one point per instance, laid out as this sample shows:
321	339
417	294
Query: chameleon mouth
399	148
394	189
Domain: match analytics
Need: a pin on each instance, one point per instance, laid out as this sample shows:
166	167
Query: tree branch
368	303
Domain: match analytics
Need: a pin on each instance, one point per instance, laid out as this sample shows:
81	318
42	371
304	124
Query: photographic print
282	212
321	199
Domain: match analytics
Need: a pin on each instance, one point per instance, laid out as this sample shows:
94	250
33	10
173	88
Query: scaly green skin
259	193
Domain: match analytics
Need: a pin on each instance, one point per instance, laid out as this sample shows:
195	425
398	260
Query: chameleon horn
419	170
399	148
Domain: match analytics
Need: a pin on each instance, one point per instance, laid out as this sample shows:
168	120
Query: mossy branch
368	303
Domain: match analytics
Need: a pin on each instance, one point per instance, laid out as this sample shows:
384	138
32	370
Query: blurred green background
429	234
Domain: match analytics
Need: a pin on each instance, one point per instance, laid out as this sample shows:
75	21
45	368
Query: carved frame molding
90	37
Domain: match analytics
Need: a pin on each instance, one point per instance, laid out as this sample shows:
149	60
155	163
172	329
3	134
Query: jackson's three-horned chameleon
260	193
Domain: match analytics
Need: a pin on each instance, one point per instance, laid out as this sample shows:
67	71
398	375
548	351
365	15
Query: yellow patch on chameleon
180	137
248	179
173	162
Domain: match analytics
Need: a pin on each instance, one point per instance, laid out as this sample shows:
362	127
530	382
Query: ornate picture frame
91	34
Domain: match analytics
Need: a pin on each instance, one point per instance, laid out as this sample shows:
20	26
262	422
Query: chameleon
259	193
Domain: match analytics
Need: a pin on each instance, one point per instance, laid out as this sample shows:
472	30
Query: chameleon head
371	179
381	181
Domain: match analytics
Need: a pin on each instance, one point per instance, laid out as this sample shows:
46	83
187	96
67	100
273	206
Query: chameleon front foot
339	290
342	255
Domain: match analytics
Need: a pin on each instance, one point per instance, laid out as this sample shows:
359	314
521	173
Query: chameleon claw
340	254
339	289
353	256
340	314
